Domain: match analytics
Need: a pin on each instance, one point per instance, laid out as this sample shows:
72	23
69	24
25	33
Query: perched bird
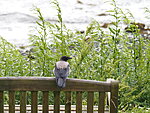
61	71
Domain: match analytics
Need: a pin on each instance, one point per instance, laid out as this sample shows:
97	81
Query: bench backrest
46	84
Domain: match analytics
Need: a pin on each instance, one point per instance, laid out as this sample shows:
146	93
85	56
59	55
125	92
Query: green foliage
136	110
97	55
12	63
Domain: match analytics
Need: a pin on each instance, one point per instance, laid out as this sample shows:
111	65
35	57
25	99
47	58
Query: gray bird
61	71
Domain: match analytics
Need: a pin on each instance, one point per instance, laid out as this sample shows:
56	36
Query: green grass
97	55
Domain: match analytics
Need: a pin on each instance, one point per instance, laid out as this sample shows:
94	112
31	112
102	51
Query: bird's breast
62	64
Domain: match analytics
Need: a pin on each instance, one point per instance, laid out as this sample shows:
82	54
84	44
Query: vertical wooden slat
45	101
101	105
90	101
23	102
34	102
56	101
78	102
68	102
11	101
114	97
1	102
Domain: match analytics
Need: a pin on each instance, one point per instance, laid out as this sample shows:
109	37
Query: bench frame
46	84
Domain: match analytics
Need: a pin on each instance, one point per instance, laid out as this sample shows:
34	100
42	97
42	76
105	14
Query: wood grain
90	102
45	101
78	102
46	84
23	101
114	97
1	102
11	101
68	102
49	84
56	101
101	104
34	102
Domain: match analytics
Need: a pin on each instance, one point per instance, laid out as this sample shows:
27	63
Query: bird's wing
61	72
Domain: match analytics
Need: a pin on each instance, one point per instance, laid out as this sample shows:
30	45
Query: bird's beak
69	57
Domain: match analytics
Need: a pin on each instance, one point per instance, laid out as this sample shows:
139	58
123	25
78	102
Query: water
17	16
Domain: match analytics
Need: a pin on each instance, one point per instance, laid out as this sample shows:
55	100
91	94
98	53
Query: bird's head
65	58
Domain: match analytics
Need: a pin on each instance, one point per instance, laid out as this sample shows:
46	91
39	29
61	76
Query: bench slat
45	101
11	101
78	102
23	101
101	105
34	101
1	102
56	101
68	102
90	102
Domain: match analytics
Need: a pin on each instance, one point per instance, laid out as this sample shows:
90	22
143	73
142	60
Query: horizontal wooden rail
49	84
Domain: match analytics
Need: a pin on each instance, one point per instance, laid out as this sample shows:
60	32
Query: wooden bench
47	84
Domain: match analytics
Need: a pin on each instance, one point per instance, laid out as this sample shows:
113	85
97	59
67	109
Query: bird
61	71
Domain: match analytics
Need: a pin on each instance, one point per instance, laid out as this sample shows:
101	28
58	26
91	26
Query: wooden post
78	102
1	102
56	101
68	102
45	102
34	102
101	105
23	102
90	102
114	96
11	101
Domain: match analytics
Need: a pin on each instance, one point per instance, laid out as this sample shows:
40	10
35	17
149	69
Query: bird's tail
61	82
